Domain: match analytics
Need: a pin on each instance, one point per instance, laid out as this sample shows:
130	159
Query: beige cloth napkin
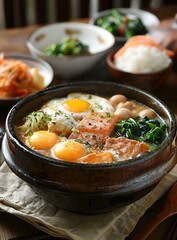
18	198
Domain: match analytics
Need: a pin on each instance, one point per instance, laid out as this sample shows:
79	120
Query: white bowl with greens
71	48
124	23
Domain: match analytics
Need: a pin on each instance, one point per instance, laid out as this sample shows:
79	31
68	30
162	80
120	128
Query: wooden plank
126	3
20	13
63	10
168	2
145	4
104	5
9	13
41	11
12	226
84	7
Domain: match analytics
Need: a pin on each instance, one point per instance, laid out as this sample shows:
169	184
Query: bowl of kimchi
22	75
90	147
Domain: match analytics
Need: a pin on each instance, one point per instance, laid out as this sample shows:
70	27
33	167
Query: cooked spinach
120	24
135	27
68	46
151	131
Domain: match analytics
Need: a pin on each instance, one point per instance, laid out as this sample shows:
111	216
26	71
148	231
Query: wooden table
14	41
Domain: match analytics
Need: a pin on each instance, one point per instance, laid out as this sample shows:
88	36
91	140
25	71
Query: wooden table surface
14	41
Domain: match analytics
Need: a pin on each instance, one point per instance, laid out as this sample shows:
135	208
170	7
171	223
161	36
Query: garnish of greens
37	120
68	46
151	131
122	25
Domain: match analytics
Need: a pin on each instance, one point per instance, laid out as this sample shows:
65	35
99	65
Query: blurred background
17	13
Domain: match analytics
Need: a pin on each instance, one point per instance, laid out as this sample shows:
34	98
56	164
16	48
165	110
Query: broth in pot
89	129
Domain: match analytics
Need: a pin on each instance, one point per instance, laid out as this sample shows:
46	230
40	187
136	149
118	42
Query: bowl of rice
140	63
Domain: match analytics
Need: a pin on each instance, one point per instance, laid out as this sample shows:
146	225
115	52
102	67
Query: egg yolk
69	151
93	158
76	105
43	140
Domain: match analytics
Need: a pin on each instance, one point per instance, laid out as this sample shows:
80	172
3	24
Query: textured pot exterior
111	185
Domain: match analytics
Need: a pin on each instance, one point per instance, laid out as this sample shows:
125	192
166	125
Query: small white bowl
148	19
44	68
99	40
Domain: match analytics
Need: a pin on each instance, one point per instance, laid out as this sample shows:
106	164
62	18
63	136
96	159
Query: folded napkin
18	198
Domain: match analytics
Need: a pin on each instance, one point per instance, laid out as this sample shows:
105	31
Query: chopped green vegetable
151	131
35	121
135	27
68	46
120	24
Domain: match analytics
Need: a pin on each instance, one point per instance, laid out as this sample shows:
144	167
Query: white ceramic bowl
148	19
99	40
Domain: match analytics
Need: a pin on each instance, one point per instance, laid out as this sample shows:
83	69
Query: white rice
143	59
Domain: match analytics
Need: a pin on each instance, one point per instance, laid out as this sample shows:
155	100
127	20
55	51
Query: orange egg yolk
43	140
93	158
69	151
76	105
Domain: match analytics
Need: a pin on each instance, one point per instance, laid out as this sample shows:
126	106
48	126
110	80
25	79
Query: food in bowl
90	129
148	20
89	188
17	79
121	24
141	54
98	40
68	46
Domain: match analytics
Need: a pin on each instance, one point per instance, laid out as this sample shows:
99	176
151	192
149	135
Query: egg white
62	123
97	104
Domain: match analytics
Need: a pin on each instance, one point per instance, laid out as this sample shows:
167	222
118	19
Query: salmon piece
142	40
90	139
94	128
126	148
98	123
94	158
